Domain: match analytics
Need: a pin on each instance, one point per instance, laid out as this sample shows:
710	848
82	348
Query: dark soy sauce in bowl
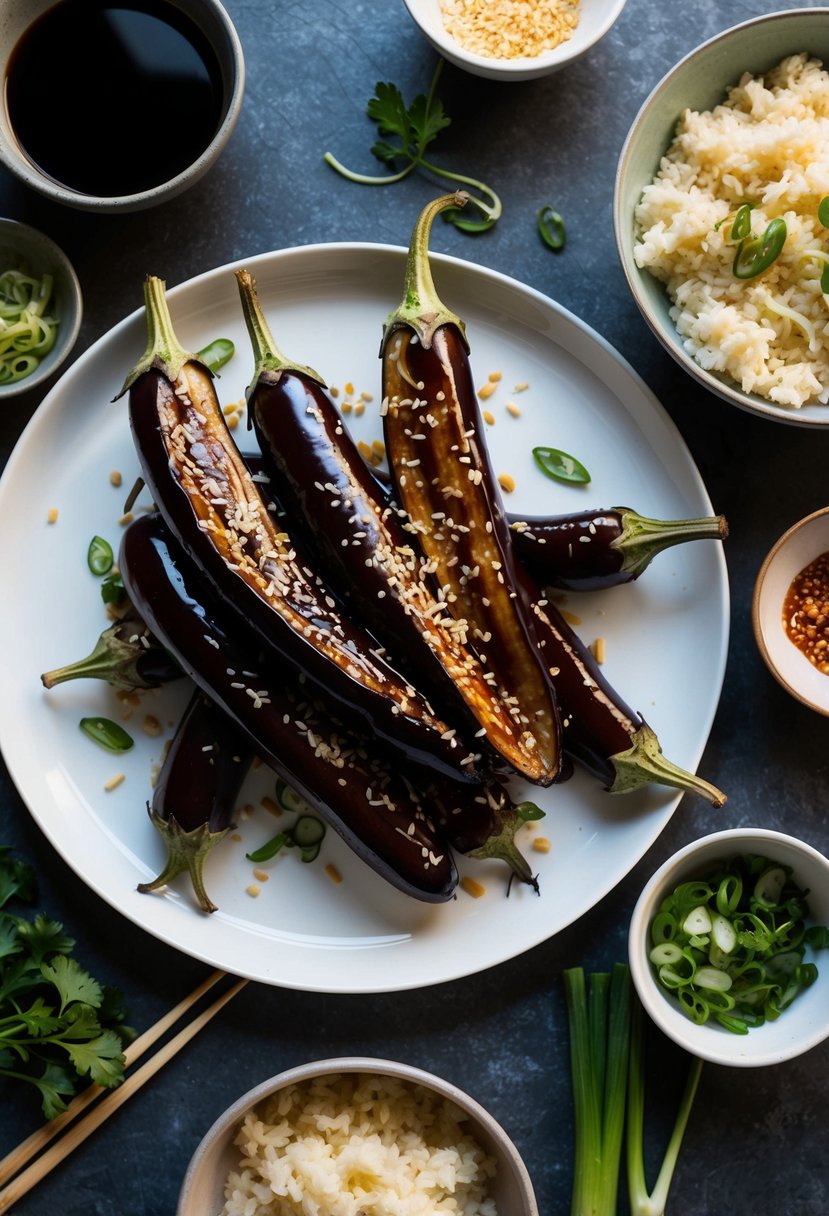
113	99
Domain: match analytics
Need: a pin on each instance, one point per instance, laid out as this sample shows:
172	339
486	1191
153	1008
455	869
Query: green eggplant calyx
643	764
186	850
164	352
269	359
501	846
641	538
421	308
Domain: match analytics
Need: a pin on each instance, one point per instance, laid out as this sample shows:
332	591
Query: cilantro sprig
58	1025
406	132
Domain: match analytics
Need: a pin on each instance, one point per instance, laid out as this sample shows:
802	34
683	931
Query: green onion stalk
608	1073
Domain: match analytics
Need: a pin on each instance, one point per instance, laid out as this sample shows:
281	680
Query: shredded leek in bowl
28	325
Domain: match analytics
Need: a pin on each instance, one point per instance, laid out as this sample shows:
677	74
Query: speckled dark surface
757	1143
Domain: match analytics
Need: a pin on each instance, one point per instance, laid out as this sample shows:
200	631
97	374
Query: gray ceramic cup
15	18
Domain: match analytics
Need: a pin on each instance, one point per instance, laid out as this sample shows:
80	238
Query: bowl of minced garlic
513	39
790	610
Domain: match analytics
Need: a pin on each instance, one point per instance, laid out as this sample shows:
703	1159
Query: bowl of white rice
513	39
718	216
352	1136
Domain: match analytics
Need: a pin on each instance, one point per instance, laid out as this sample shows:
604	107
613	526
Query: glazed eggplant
583	550
214	509
126	655
337	773
604	734
196	791
361	545
442	478
594	550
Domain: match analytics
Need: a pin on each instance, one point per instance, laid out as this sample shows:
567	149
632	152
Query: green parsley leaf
57	1023
72	982
17	878
44	937
414	128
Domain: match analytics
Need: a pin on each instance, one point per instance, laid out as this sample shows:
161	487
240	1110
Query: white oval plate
666	635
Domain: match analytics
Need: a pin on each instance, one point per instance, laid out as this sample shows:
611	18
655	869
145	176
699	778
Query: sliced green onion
551	228
770	885
109	734
27	331
756	254
823	211
217	353
732	948
697	921
722	933
666	952
99	556
713	978
560	465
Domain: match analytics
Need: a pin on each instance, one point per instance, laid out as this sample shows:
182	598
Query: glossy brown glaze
338	773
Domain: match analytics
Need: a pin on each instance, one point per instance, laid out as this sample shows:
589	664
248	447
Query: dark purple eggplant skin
594	550
574	552
203	770
601	732
414	734
361	798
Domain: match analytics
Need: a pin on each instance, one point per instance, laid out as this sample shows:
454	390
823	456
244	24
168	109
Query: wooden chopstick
113	1099
17	1158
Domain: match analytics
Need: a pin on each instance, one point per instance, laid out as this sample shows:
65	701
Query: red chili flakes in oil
806	612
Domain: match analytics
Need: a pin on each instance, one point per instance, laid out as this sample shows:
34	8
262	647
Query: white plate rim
144	911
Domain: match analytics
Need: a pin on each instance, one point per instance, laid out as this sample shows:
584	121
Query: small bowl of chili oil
790	611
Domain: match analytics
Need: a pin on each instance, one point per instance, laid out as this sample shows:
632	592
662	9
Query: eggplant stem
269	359
164	351
502	847
421	308
644	763
642	538
112	659
185	851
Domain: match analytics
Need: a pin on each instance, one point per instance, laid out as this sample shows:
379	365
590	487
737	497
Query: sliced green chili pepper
217	353
551	228
741	228
270	849
109	734
756	254
823	211
99	556
306	834
560	465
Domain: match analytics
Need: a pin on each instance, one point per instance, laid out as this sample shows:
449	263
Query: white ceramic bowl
15	18
796	549
699	82
202	1193
595	19
800	1027
24	248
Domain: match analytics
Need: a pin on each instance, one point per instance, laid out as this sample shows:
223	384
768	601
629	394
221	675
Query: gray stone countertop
757	1142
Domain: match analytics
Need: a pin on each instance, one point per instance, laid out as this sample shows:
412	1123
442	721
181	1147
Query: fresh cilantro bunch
57	1024
407	131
